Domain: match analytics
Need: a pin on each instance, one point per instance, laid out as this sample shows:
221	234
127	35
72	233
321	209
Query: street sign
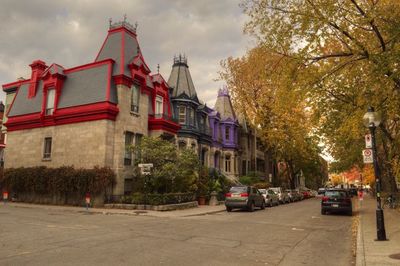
367	156
145	168
368	141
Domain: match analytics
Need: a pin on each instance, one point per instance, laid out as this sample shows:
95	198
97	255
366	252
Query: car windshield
275	189
263	191
238	190
335	193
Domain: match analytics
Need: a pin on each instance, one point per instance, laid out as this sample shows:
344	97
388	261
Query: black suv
336	200
244	197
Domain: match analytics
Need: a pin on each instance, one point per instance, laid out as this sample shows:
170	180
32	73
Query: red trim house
87	115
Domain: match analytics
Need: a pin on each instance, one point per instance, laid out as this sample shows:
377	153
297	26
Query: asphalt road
292	234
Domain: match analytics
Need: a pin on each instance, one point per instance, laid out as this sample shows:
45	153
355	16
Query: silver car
271	198
282	195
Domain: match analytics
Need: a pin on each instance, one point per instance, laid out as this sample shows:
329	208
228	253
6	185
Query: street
291	234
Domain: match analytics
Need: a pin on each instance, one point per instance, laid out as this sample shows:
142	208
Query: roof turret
223	105
122	46
180	79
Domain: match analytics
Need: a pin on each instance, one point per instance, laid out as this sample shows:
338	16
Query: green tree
173	170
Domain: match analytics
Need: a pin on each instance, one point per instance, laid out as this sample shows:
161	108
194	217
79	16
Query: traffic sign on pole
367	156
368	141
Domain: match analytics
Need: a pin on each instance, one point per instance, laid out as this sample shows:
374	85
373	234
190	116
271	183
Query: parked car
291	194
271	198
336	200
306	194
282	195
321	191
299	195
244	197
353	191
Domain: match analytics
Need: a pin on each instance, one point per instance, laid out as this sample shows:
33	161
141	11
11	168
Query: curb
204	213
360	255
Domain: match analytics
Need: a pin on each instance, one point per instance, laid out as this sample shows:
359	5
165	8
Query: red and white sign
5	195
367	156
368	141
87	198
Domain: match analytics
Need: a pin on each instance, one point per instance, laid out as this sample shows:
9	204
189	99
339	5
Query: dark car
336	200
244	197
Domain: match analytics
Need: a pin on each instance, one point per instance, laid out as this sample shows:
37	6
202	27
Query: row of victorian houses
87	115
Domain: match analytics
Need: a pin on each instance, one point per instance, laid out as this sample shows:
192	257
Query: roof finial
136	25
158	68
124	17
110	22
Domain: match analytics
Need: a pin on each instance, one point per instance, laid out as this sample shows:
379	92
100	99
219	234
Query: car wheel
263	205
228	209
350	212
251	207
323	212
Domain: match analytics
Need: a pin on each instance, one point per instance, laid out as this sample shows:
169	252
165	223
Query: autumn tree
264	91
347	54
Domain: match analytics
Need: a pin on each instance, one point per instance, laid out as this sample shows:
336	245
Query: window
191	115
128	151
159	106
50	102
227	133
228	163
182	115
138	141
47	148
135	94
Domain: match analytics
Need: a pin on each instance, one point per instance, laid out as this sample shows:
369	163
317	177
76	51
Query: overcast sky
71	33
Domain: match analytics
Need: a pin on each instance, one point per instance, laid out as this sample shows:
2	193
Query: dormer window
135	94
51	95
159	106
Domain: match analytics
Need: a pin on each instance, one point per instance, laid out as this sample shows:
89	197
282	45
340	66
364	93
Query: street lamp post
372	120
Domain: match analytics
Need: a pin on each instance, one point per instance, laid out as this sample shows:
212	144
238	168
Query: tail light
228	195
244	194
324	198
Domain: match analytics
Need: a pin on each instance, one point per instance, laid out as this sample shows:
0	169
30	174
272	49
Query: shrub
158	199
55	181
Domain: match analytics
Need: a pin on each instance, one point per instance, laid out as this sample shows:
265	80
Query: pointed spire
158	68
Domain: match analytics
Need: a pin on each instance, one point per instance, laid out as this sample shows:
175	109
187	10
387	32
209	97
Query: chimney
38	67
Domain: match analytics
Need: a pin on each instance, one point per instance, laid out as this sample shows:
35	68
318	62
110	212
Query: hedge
54	181
158	199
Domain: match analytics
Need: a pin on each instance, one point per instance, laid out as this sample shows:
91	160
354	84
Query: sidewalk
201	210
369	251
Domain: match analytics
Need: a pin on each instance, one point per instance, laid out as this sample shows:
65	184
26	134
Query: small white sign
368	141
145	168
367	156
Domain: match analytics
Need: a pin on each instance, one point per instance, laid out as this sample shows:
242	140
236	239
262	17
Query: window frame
47	146
135	99
159	103
128	155
182	115
49	110
227	133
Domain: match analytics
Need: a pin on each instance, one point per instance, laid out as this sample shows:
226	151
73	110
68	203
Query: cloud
70	33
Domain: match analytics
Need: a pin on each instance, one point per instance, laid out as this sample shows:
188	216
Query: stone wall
82	145
127	121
